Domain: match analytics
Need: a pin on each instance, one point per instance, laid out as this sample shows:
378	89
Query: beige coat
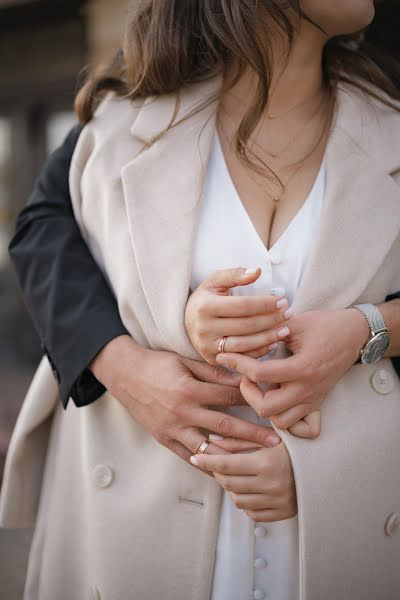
121	517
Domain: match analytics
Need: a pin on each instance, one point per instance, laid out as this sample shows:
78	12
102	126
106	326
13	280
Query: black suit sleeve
69	300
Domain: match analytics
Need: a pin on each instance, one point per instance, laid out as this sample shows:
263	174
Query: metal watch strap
373	316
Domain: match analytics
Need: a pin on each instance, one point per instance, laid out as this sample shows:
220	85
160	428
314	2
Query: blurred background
44	44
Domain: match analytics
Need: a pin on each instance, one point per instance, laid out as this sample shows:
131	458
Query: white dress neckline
245	215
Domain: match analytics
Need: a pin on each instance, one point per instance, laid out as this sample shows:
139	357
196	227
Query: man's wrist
109	364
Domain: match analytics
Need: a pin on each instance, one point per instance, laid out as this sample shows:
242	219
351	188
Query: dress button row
260	531
258	594
382	381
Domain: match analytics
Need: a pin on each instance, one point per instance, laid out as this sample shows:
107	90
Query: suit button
260	563
392	524
382	381
102	476
258	594
260	531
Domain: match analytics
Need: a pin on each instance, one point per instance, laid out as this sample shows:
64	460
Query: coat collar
163	189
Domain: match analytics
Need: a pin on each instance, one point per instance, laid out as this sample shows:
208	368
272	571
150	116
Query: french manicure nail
278	291
194	461
283	332
251	271
215	438
283	303
289	313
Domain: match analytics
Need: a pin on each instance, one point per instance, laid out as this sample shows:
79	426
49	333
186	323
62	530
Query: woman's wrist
109	365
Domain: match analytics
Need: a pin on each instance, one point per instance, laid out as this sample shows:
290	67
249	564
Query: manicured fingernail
273	440
252	271
289	313
278	291
194	461
215	438
283	332
282	303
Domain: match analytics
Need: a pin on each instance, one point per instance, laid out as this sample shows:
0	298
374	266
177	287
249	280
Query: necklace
274	196
292	139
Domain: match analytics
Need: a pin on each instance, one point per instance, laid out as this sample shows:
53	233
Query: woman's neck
296	78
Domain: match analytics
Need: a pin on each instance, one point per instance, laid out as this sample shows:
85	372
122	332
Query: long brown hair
171	44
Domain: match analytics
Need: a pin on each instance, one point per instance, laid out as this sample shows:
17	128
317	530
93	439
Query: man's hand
170	396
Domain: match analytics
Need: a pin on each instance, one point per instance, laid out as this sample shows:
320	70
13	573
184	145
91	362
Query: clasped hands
170	396
297	385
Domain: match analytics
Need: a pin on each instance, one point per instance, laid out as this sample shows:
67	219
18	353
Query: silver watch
379	341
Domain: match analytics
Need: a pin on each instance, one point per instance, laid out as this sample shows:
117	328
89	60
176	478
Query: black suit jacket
71	305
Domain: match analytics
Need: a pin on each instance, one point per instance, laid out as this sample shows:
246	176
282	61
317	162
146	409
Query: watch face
375	348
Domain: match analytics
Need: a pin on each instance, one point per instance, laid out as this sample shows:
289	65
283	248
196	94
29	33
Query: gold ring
203	447
221	345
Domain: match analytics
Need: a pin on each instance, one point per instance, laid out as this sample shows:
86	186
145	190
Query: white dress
253	560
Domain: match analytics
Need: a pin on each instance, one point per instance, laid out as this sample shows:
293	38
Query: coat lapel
361	215
163	188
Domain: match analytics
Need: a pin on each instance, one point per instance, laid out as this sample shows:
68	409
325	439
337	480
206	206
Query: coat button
260	563
382	381
102	476
258	594
260	531
392	524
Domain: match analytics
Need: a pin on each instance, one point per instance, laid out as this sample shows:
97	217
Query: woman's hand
325	344
169	396
261	483
252	324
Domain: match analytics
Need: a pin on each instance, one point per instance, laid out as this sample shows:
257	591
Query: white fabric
226	238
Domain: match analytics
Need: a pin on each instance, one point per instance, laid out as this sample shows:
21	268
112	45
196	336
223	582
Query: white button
260	563
258	594
382	381
278	291
102	476
392	524
275	258
260	531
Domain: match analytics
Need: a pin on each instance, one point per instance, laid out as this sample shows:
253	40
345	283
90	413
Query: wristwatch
379	341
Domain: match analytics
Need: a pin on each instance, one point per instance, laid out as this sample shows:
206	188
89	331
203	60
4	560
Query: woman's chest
226	236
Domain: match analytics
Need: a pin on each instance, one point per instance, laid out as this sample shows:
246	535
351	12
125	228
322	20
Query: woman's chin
342	17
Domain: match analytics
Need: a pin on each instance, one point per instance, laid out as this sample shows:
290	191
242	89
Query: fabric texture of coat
117	515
